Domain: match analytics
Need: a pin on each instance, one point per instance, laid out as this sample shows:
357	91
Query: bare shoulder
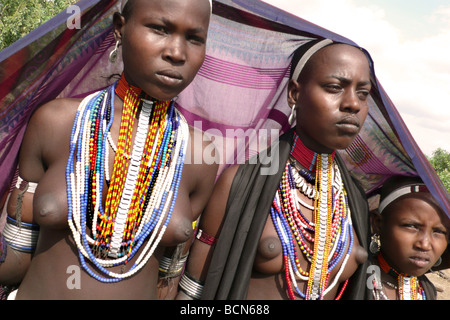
52	122
226	179
201	149
214	213
58	112
47	134
201	155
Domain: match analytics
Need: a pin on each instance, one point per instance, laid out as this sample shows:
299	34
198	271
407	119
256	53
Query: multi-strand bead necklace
142	188
409	287
330	233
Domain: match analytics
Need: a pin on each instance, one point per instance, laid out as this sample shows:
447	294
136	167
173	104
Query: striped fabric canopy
238	96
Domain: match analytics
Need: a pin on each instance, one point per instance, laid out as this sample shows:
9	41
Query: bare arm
199	174
20	204
42	128
210	223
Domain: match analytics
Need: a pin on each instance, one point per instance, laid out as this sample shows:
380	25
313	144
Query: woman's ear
376	220
293	92
118	23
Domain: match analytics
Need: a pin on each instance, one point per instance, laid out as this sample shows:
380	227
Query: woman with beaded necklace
115	184
411	233
301	233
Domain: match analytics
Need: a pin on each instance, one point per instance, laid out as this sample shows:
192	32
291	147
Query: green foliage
440	161
19	17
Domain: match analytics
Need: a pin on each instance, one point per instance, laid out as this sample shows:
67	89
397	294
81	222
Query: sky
409	41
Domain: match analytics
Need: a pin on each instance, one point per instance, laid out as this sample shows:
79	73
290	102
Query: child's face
414	234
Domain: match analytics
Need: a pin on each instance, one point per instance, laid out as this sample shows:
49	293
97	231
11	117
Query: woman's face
163	44
331	98
413	234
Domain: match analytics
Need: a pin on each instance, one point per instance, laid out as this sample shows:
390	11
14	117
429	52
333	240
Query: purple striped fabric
238	96
234	74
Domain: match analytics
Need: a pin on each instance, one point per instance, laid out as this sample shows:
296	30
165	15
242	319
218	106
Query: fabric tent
238	97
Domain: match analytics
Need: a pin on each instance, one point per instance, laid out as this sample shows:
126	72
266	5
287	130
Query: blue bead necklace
144	219
295	230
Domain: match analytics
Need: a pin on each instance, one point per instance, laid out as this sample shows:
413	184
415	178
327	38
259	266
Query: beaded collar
143	186
305	156
328	238
387	268
123	87
409	287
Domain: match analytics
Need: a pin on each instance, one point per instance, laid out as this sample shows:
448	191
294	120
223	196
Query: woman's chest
59	199
296	249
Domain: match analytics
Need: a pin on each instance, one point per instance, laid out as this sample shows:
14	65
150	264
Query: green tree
19	17
440	160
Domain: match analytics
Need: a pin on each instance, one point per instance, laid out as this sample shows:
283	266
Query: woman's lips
169	77
349	125
420	262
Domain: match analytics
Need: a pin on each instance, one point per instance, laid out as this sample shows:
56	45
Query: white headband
400	192
124	2
308	54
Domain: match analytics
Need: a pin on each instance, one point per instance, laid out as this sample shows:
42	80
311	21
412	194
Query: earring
113	55
292	115
438	262
374	246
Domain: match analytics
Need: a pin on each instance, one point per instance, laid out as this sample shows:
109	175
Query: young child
410	235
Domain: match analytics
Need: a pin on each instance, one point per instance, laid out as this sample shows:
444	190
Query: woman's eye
333	87
440	231
158	28
363	94
196	39
411	226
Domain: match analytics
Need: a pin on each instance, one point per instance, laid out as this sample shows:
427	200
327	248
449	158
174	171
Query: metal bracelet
193	288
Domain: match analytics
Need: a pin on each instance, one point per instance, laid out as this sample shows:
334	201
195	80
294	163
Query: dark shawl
428	287
248	208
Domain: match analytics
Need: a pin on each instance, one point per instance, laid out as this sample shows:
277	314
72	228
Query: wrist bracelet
193	288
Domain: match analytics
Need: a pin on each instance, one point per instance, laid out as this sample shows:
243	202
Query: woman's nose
175	50
350	102
423	241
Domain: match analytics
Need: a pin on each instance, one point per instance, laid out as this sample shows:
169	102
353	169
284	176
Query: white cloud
415	71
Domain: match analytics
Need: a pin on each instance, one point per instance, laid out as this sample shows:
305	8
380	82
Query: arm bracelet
171	269
193	288
21	236
205	238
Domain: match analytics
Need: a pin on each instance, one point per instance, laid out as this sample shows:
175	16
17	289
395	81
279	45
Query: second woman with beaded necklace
270	237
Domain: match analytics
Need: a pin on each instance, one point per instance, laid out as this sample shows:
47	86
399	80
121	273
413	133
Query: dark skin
331	94
414	233
167	44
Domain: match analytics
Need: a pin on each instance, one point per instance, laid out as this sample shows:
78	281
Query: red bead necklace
409	287
123	86
305	156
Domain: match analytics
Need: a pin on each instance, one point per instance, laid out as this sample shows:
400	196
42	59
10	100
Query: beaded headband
400	192
307	55
124	2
